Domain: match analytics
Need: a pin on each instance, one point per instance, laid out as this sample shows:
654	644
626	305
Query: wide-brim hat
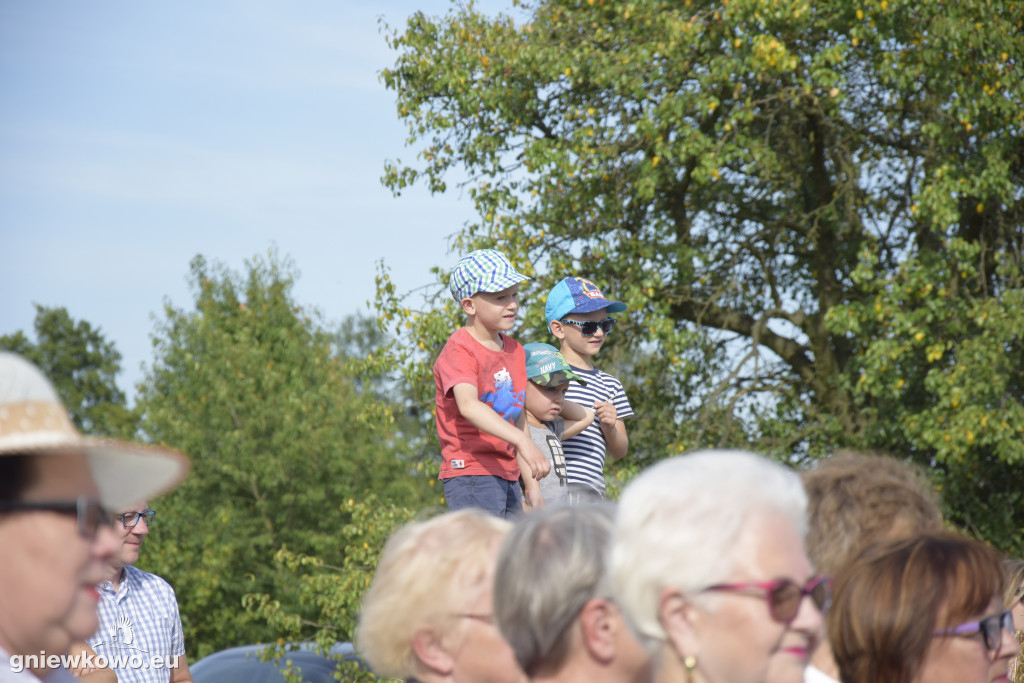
34	421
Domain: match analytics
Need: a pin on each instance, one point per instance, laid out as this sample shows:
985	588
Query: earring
690	663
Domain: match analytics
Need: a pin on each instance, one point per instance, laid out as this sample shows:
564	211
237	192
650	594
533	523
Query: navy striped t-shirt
585	452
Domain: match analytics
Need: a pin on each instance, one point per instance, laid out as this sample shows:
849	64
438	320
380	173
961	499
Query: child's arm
575	418
483	417
532	498
615	438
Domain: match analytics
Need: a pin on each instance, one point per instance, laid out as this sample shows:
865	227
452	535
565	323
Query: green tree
253	388
814	211
83	366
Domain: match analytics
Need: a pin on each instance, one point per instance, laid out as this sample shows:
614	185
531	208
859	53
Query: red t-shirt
500	381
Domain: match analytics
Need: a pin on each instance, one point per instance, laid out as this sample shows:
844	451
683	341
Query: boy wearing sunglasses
578	315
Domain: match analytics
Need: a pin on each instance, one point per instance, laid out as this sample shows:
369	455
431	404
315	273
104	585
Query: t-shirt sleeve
619	399
455	365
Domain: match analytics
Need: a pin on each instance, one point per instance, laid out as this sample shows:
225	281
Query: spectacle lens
130	520
784	600
991	629
784	596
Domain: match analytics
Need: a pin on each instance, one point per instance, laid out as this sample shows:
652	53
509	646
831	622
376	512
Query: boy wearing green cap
551	417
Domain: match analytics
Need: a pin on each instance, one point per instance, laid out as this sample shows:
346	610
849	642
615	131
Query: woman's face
479	652
1017	607
963	658
739	642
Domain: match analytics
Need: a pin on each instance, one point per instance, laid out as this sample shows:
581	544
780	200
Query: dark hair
855	500
889	602
17	472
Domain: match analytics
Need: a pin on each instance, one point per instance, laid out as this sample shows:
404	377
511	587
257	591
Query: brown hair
889	602
855	500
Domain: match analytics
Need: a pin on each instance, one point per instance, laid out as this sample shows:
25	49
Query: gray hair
679	521
550	565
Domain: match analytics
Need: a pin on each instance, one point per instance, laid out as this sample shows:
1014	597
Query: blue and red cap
577	295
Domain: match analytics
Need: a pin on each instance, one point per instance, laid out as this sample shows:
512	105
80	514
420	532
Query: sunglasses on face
88	512
784	596
589	328
991	629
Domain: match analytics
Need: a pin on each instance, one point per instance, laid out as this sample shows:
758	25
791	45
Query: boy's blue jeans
500	497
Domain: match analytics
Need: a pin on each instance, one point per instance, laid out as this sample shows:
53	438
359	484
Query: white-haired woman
708	564
428	615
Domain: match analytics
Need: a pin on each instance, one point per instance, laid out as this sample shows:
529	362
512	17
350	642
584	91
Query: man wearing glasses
140	631
55	534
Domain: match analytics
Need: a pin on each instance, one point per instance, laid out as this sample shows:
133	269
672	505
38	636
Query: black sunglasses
130	520
991	629
88	512
784	596
589	328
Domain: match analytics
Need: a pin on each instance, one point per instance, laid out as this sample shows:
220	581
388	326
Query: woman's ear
679	618
431	651
597	626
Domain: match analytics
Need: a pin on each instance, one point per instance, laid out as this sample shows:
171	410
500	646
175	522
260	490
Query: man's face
50	571
130	538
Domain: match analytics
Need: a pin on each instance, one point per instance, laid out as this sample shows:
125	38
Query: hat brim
556	378
124	472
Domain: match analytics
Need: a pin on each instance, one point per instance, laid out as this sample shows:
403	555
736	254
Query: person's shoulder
606	376
556	426
148	580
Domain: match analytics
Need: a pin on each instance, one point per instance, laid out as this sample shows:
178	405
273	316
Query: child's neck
532	420
489	338
575	359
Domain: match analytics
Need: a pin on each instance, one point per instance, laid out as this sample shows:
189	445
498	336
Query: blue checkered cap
483	270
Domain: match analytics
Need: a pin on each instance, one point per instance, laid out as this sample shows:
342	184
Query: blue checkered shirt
140	629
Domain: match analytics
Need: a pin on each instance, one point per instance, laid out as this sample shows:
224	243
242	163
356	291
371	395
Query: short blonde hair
427	571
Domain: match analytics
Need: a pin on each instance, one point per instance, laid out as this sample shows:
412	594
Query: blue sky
135	135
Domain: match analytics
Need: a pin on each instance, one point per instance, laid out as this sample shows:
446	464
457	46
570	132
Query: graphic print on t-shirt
557	459
504	401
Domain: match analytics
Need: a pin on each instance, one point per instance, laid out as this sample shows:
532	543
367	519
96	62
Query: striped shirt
585	452
140	629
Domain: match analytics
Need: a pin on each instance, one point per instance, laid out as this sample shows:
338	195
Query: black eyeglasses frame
90	514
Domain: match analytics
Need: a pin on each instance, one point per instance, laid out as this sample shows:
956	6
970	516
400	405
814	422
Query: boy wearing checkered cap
480	376
578	316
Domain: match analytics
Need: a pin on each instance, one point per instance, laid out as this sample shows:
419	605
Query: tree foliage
255	390
814	211
83	366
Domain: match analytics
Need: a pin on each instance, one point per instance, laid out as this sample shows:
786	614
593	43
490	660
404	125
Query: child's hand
532	498
606	413
536	463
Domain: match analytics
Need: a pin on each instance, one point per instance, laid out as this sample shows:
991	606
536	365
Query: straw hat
33	420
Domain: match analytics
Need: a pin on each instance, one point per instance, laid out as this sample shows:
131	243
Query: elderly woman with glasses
428	616
929	609
709	567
